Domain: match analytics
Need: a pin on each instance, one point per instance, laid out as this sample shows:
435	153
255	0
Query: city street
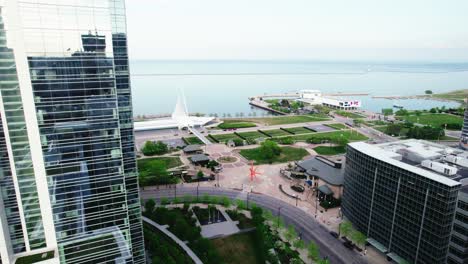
305	224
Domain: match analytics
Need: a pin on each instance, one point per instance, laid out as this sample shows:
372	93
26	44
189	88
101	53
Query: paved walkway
225	228
176	239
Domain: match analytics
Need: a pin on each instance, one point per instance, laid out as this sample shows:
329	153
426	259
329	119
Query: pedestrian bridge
199	136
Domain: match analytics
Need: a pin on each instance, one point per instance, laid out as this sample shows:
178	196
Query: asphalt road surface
305	224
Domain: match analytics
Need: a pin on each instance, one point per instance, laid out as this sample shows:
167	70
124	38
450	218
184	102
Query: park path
189	252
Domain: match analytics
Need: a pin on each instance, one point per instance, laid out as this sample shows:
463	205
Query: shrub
238	142
286	140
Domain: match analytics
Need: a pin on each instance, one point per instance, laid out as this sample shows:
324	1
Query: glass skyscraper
68	177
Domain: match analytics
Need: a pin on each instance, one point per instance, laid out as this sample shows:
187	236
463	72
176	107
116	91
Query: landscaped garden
283	120
193	141
251	135
234	124
162	249
276	132
270	241
223	138
350	135
269	152
153	171
298	130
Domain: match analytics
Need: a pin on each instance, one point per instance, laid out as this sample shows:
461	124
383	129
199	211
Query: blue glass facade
77	62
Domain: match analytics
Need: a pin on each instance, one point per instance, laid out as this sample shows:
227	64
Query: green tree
393	129
313	251
241	204
226	201
340	141
200	174
387	111
299	243
358	237
154	148
270	149
149	206
164	201
428	92
290	234
402	112
345	228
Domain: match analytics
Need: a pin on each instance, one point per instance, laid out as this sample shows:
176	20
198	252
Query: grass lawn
276	132
350	135
193	140
376	123
458	95
251	135
287	154
337	126
325	150
282	120
298	130
349	114
239	248
223	138
436	120
228	124
170	162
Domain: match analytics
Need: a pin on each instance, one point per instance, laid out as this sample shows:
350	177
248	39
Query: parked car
334	234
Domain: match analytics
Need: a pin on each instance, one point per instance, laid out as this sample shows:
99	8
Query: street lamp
198	186
175	191
316	200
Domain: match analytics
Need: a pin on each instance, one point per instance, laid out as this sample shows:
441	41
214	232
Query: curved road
305	224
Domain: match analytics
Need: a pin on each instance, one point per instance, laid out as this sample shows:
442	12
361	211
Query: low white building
315	97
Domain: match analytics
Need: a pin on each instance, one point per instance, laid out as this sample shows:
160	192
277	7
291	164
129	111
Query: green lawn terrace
223	138
192	141
276	132
235	123
289	119
253	135
351	135
169	162
337	126
298	130
287	154
436	120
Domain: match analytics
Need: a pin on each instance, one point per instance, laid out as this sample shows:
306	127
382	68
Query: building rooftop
323	169
200	158
437	162
192	148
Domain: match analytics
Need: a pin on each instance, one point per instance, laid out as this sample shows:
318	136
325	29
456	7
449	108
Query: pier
298	94
264	106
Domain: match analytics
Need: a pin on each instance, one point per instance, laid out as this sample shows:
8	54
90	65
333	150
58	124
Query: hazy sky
298	29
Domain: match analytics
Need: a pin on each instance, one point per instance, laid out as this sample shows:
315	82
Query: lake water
223	87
